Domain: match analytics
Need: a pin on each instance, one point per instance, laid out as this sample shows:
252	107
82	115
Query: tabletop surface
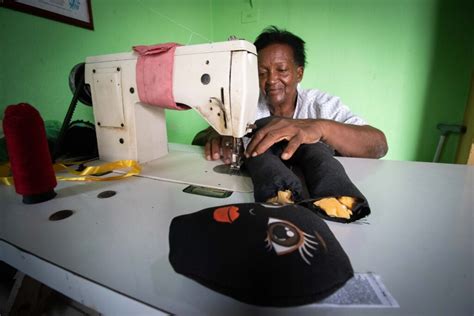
418	239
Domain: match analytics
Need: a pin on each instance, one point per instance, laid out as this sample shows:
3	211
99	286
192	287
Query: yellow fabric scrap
335	207
348	201
283	197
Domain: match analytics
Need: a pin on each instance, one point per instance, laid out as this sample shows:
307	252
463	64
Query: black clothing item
324	176
270	174
260	254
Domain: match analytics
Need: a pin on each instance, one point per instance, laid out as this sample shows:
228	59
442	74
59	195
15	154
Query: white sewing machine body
218	80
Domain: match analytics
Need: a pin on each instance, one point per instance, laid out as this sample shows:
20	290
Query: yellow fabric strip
5	177
91	173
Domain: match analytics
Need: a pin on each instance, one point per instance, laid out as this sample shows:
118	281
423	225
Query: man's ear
299	73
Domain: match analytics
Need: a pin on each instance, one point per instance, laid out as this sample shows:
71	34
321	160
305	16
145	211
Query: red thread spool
28	150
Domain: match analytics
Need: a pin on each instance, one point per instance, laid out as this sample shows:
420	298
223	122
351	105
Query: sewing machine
218	80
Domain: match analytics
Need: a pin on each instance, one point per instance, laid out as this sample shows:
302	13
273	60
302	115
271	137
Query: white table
112	254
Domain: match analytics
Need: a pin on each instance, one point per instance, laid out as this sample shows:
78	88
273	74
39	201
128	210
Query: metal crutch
445	130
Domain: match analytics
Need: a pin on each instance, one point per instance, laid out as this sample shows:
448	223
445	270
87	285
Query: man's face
278	75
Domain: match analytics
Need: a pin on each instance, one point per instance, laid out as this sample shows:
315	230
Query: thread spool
30	159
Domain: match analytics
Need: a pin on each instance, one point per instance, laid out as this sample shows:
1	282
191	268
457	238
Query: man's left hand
296	132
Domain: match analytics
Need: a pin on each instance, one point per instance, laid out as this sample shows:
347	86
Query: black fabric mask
260	254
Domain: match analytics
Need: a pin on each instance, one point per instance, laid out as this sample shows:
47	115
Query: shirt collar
299	101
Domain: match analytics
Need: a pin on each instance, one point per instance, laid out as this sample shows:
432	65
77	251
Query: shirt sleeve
331	108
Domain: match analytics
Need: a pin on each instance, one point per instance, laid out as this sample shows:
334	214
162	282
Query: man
301	116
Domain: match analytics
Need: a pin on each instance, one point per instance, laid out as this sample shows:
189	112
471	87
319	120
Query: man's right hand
218	147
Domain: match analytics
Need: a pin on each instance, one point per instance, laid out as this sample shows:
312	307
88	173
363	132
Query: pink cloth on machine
155	75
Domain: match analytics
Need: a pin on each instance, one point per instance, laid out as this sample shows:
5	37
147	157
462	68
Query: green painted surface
402	65
37	54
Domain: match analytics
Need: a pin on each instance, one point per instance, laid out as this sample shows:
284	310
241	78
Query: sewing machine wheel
75	77
80	92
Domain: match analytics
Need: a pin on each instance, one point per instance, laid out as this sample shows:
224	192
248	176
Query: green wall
37	54
403	65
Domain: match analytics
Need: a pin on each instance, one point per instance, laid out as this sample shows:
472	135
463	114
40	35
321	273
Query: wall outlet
249	16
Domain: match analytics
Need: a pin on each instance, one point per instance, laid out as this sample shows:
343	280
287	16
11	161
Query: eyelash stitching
307	243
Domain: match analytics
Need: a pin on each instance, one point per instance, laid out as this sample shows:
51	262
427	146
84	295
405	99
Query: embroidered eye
283	235
285	238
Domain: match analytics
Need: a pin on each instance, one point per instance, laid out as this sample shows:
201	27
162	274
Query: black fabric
80	141
324	176
270	174
248	252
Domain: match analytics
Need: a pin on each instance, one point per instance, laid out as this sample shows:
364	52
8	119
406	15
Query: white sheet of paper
363	290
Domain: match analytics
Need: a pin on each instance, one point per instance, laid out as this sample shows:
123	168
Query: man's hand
348	140
218	146
296	132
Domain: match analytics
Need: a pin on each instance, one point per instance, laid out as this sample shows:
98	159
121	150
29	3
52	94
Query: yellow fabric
334	207
88	174
348	201
5	177
283	198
